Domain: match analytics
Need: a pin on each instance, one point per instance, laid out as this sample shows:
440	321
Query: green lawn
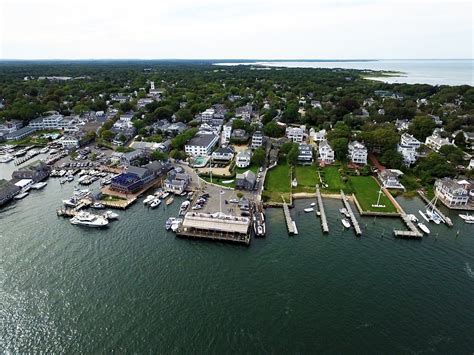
306	177
277	183
333	179
366	191
253	168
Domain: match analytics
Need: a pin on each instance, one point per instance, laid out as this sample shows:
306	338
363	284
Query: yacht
346	223
310	209
423	228
72	202
89	220
39	185
148	199
155	203
176	224
98	205
467	218
110	215
6	158
164	195
184	207
169	222
21	195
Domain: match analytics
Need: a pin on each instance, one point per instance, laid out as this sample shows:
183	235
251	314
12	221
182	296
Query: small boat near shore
310	209
169	201
169	223
423	228
110	215
6	158
184	207
148	199
467	218
39	185
21	195
155	203
346	223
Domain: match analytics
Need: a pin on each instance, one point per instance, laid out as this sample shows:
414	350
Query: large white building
357	153
435	142
69	142
243	159
257	140
325	153
296	134
201	144
226	133
408	148
452	192
318	136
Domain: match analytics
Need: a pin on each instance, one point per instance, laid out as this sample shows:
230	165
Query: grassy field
366	190
306	177
332	177
277	183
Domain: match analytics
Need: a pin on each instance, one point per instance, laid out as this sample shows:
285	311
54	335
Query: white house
317	136
325	152
435	142
296	134
243	159
257	140
226	133
223	154
201	144
69	142
357	153
207	115
408	148
305	153
452	192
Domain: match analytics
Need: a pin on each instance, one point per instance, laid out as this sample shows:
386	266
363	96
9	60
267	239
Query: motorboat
184	207
346	223
110	215
310	209
20	153
148	199
97	205
5	158
72	202
21	195
433	216
164	195
425	217
467	217
70	177
169	201
313	204
44	150
169	222
89	220
412	218
39	185
176	224
155	203
424	228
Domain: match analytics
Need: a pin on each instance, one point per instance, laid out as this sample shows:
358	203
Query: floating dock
322	212
413	232
352	216
289	222
446	220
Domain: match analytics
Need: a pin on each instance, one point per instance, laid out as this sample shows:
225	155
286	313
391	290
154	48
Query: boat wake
469	271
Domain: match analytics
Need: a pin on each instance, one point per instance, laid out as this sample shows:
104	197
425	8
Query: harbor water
134	287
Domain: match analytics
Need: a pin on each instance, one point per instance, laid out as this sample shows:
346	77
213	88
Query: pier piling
322	212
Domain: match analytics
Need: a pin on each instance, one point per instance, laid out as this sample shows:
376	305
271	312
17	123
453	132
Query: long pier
446	220
413	232
352	216
289	222
322	212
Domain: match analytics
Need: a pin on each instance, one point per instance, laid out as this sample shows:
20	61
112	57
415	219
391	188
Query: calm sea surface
434	72
136	288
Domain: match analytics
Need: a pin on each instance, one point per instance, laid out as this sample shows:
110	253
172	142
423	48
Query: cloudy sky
276	29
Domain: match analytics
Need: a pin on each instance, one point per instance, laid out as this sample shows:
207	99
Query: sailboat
431	213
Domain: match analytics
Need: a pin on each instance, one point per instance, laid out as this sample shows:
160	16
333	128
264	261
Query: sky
235	29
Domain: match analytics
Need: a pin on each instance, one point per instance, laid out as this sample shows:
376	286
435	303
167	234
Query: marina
352	216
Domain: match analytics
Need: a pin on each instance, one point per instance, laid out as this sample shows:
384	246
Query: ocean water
136	288
422	71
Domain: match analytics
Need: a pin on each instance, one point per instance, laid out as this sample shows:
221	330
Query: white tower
152	85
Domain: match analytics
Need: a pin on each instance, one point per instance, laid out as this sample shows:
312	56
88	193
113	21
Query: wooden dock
352	216
322	212
413	232
289	221
446	220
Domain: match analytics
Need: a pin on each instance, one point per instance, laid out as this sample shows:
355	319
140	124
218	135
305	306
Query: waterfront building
357	153
35	171
305	154
7	191
389	179
453	192
246	180
201	144
243	159
20	134
69	142
137	177
176	180
325	152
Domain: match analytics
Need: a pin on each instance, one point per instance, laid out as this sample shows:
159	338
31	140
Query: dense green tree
292	156
421	127
258	157
274	130
159	155
339	145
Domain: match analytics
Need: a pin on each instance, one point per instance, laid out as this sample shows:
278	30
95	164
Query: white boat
5	158
433	216
21	195
110	215
467	217
148	199
346	223
44	150
423	228
97	205
295	228
72	202
169	201
176	224
184	207
164	195
39	185
70	178
169	222
425	217
155	203
412	218
89	220
310	209
313	204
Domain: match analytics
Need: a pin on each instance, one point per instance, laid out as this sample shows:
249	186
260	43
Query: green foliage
180	140
258	157
421	127
452	154
292	156
158	155
274	130
107	135
339	145
433	166
184	115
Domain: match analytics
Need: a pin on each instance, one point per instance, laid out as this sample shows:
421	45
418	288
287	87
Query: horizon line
224	59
